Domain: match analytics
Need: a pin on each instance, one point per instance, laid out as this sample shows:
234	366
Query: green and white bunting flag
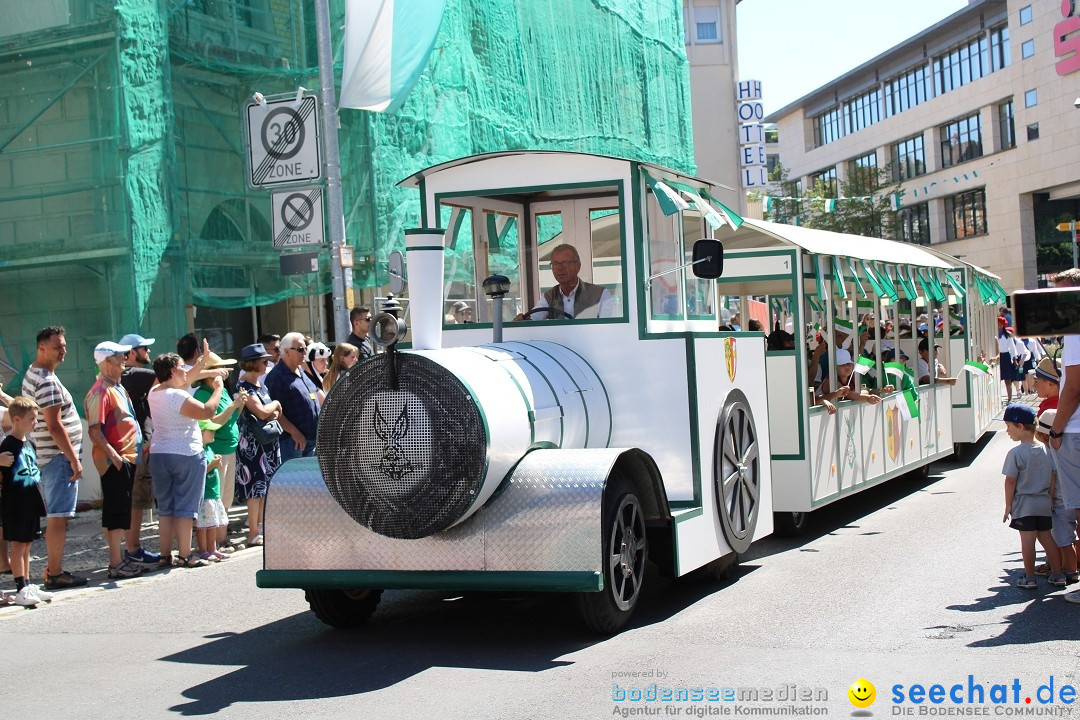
976	368
896	201
864	364
908	404
670	201
768	203
830	205
843	326
898	369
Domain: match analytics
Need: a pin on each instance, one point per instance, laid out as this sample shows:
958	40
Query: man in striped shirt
58	438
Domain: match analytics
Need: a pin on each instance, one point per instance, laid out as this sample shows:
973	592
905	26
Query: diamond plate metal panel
545	517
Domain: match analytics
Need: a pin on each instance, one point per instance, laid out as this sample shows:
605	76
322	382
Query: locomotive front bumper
541	530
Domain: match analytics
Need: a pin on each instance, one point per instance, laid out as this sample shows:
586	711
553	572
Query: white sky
795	46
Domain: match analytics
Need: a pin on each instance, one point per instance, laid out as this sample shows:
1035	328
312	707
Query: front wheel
343	608
625	551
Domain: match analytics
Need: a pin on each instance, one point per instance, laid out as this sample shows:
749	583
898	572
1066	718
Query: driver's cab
507	213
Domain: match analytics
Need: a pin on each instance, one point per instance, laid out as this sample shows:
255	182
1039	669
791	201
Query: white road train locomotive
561	453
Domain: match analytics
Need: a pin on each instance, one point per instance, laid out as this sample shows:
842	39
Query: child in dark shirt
23	503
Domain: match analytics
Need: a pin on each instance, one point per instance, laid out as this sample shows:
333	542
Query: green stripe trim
692	409
426	247
570	375
554	581
521	391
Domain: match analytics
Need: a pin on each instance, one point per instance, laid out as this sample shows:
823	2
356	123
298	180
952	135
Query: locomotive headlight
387	330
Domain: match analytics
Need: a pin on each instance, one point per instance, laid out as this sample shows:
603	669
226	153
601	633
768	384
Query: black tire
737	472
791	524
343	608
920	473
960	451
625	552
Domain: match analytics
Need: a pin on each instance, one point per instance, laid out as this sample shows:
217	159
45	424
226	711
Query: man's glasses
563	263
299	349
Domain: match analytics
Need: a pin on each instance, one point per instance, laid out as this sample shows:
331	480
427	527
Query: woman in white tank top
177	461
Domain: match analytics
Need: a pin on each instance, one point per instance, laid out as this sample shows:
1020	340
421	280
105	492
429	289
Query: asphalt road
903	584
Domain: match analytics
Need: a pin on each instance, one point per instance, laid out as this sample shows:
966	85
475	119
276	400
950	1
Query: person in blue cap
1028	472
137	379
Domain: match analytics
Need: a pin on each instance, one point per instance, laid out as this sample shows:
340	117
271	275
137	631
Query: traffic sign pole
335	207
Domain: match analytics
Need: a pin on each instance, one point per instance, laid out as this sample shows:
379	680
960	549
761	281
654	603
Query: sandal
191	561
257	540
1042	569
220	555
1057	579
166	561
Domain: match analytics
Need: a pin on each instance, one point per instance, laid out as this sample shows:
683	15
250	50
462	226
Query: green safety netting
124	204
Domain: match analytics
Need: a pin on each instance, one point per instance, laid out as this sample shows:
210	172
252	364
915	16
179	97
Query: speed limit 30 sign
283	142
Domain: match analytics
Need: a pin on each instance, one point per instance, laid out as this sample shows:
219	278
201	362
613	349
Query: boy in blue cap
1028	470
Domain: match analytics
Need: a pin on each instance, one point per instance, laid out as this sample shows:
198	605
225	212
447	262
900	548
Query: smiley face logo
862	693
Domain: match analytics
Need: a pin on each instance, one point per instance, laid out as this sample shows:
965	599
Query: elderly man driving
575	297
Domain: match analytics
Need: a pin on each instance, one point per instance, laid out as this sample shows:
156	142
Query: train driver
575	297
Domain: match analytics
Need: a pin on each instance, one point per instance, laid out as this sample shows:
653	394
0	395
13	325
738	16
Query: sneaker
124	570
63	581
1073	597
142	556
41	594
26	597
1027	582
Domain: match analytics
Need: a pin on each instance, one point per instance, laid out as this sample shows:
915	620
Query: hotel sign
751	134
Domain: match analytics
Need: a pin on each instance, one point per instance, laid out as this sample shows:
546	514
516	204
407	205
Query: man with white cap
138	378
58	439
117	442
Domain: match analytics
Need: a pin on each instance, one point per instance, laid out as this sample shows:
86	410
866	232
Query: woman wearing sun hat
257	462
226	438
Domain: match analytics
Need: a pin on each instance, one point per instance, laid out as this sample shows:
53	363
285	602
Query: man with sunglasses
298	396
360	317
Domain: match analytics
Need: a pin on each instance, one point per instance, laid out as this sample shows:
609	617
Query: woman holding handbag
258	454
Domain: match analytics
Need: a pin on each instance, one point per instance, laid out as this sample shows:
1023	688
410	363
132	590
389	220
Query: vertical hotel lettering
751	135
1067	39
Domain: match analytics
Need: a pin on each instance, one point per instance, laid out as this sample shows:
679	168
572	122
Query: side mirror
396	261
708	260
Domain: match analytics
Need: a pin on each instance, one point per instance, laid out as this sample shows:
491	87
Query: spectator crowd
177	432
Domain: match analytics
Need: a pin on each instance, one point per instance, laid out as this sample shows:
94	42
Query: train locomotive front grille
405	459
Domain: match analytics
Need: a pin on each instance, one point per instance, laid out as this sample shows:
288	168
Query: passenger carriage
827	280
559	454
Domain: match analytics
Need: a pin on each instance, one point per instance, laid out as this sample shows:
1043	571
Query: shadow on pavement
299	658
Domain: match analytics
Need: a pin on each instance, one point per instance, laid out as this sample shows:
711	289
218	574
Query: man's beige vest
586	300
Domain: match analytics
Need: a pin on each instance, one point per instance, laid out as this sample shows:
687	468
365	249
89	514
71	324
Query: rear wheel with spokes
737	472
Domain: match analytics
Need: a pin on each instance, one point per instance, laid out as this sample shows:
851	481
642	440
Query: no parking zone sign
283	142
297	216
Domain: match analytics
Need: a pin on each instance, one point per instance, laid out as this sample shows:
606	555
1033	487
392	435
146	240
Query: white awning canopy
762	234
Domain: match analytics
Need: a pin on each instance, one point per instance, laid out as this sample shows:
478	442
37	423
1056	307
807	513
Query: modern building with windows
975	118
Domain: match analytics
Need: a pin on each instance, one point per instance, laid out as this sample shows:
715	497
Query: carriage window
459	275
665	294
700	304
501	238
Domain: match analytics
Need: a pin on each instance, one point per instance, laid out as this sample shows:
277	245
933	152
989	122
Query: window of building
862	111
828	127
1027	49
961	141
707	24
1025	15
906	91
913	224
965	214
960	66
1033	131
909	158
772	134
999	48
1031	98
772	162
1008	125
827	178
862	173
